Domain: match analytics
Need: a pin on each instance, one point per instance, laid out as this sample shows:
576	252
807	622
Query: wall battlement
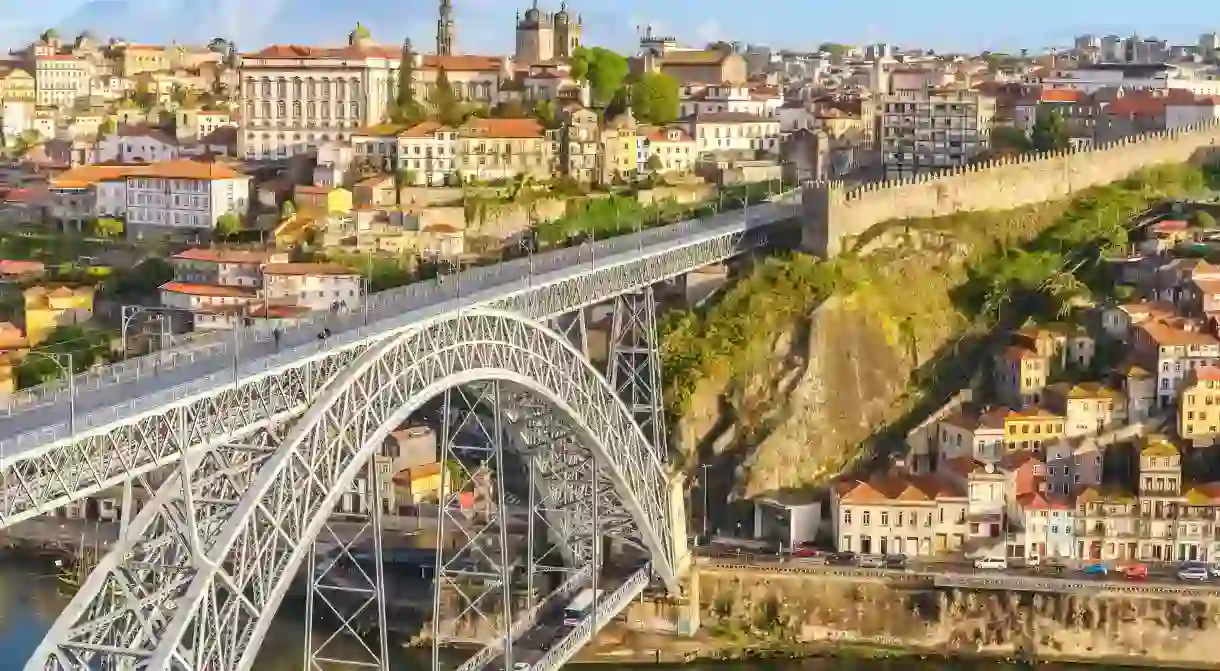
834	213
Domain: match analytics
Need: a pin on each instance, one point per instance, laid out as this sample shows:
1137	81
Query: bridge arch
233	585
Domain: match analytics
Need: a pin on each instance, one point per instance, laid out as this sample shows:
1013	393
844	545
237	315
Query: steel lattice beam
233	574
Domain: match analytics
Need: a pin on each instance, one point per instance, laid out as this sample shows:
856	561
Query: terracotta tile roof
655	134
1133	106
1158	446
899	486
696	58
223	255
1040	501
731	117
307	269
1204	494
1061	96
1167	225
15	267
1207	373
504	128
1082	390
208	290
1018	353
463	63
972	421
303	52
1031	414
88	175
1162	332
425	129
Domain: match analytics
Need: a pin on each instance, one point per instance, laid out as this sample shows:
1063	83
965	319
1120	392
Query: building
789	522
976	435
734	132
722	98
1080	111
1107	528
1031	429
1160	496
1088	408
933	130
1021	375
136	144
316	286
543	36
1049	522
1131	77
446	29
702	67
46	309
297	98
672	147
580	155
896	512
492	149
1173	347
167	200
61	79
17	85
620	149
1199	406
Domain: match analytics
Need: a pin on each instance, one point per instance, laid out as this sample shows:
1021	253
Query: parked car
991	563
1095	569
898	561
808	555
1193	572
1214	570
841	558
872	561
1135	572
806	550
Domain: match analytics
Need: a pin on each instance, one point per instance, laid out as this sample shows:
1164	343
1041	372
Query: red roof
456	63
1211	373
219	255
1061	96
208	290
1132	106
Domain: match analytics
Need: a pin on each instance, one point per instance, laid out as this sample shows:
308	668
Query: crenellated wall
834	213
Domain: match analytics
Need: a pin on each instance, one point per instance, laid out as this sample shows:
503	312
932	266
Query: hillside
805	366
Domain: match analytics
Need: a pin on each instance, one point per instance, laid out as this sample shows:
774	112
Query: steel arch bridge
265	440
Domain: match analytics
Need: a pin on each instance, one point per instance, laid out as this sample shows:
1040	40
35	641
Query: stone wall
810	608
834	214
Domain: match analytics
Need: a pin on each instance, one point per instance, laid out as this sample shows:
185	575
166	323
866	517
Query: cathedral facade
544	36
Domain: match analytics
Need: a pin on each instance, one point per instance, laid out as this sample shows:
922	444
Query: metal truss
210	603
138	423
573	327
633	367
349	591
133	591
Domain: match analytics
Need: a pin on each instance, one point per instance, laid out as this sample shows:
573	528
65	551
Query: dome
532	15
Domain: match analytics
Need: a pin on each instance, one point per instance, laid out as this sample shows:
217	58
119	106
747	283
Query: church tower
445	29
567	32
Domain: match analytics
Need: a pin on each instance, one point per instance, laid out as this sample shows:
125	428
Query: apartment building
61	79
933	130
673	147
173	199
1021	375
1173	347
1088	408
136	144
316	286
1160	497
426	153
698	99
493	149
897	512
1032	428
1199	406
1131	77
734	132
977	435
1049	524
579	147
17	85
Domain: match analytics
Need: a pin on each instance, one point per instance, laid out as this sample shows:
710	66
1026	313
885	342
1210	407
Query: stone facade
834	214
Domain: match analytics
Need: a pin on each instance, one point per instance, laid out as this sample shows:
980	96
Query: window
865	518
885	519
847	517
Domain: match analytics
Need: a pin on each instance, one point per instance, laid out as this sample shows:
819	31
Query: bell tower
446	29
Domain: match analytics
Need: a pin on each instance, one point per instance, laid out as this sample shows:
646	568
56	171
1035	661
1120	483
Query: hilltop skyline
486	26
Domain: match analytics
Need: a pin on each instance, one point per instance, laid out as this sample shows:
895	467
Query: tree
28	139
228	225
108	227
287	209
603	69
655	165
1006	140
143	95
109	126
86	345
448	107
655	98
218	45
546	114
406	109
1050	131
144	278
1202	219
835	50
509	109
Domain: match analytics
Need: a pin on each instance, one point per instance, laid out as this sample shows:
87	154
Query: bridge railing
526	619
213	346
605	611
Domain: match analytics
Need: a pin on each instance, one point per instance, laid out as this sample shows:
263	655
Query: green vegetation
1050	131
108	227
654	98
1202	219
1012	267
836	51
228	225
449	110
85	345
605	70
144	278
404	108
1007	140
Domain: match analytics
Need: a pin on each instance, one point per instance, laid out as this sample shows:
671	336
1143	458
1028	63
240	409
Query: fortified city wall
785	610
834	214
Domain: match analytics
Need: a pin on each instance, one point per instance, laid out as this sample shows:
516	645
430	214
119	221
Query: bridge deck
37	420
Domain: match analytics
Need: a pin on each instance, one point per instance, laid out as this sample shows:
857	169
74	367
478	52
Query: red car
1135	572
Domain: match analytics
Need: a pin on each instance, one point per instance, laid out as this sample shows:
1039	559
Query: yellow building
1031	429
1021	375
322	199
46	309
494	149
1089	408
140	58
619	148
1199	406
418	484
17	85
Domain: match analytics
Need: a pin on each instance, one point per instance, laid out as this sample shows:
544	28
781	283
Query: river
30	600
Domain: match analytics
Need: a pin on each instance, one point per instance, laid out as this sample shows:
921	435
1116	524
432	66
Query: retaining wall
833	213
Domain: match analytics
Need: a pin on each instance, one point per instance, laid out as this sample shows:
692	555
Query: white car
521	666
991	563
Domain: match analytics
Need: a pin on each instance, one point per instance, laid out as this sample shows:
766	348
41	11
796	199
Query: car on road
1214	570
806	550
1135	572
991	563
1197	572
872	561
896	561
1095	569
521	666
810	556
841	558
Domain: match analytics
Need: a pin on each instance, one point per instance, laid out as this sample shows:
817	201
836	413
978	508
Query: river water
30	600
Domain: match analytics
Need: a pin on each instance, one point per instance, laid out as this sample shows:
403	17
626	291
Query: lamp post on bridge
65	362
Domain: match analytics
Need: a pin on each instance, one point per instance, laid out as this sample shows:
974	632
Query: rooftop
89	175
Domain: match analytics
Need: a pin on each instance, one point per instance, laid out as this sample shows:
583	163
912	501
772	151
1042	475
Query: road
105	395
1160	574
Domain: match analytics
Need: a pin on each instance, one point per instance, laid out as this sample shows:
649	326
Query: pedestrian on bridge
275	335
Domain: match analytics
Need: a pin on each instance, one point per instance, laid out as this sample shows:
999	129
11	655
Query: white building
722	98
978	436
1129	76
316	286
428	152
734	131
673	147
1178	347
136	144
178	199
1201	110
61	79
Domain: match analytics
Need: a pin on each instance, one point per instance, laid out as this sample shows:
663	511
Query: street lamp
704	467
65	362
129	313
